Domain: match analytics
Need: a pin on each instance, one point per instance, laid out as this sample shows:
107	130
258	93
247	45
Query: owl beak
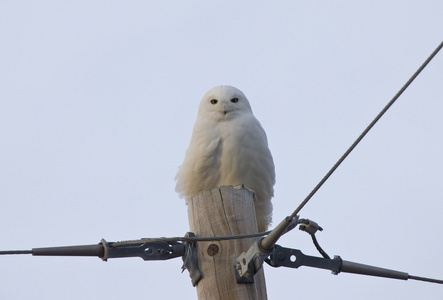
225	109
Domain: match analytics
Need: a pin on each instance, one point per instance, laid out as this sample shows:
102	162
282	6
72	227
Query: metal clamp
190	260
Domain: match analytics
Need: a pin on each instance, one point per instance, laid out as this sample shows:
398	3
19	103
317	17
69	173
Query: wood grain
224	211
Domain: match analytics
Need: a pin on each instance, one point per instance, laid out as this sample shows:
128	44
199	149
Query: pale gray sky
97	104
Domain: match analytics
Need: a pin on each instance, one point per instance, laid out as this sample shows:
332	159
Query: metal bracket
145	250
309	226
294	258
249	263
190	261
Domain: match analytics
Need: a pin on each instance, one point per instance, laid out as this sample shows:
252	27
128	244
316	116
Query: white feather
228	147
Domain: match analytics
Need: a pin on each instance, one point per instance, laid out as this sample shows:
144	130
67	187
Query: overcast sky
97	104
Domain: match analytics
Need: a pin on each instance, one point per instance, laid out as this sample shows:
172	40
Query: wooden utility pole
224	211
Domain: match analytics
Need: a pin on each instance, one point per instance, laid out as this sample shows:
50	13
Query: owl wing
200	168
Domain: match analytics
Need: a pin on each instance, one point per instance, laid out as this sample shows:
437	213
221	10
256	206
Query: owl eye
214	101
234	100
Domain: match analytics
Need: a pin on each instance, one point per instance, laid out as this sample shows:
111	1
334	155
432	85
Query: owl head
223	103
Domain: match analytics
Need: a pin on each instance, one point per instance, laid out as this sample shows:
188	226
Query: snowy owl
228	147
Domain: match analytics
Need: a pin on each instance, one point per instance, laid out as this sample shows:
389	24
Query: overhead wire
191	239
293	224
10	252
362	135
425	279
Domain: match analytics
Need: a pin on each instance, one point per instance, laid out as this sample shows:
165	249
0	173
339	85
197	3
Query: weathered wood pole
224	211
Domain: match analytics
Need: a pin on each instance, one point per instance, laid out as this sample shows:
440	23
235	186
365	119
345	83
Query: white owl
228	147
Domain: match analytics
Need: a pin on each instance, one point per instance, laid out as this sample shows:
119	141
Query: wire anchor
294	258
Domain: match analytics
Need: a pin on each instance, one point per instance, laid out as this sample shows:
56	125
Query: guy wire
405	86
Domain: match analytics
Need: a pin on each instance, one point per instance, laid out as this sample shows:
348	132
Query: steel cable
362	135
